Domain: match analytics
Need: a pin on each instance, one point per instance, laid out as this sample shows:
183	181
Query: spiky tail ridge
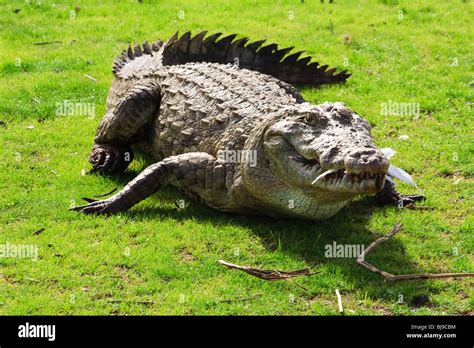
253	56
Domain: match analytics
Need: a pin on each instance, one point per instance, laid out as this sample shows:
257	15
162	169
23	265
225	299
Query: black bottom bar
429	331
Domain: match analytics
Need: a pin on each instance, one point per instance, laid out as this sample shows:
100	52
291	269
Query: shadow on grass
305	240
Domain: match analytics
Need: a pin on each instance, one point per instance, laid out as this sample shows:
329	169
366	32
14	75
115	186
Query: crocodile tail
254	56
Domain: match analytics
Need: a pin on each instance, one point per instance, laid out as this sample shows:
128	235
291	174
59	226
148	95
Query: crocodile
224	123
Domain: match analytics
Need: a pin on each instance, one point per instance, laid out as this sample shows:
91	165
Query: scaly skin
189	115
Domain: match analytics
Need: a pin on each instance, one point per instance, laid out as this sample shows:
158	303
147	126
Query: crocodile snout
367	161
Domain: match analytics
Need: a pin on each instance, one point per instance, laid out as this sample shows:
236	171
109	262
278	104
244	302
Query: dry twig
46	43
268	274
144	302
106	194
339	302
391	277
411	206
37	232
238	299
90	77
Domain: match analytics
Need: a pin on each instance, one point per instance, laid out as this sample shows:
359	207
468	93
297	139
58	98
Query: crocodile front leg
196	173
390	196
110	159
122	125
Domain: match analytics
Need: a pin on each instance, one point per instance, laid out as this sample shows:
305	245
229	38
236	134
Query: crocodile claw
103	207
390	196
405	200
109	159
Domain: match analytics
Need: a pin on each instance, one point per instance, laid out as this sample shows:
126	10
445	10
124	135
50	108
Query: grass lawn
157	259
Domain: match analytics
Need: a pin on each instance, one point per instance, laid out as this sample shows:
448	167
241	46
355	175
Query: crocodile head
318	157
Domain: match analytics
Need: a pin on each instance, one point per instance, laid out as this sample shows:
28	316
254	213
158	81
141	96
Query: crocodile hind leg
197	173
390	196
124	123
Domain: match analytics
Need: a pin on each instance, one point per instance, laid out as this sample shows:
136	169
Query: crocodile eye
315	119
344	115
309	118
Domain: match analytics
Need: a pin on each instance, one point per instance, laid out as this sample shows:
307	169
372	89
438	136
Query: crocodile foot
405	200
390	196
109	159
102	207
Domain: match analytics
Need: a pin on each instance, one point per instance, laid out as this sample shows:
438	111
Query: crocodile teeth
327	172
379	182
365	184
345	180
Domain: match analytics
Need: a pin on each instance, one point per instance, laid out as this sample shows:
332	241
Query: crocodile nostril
366	160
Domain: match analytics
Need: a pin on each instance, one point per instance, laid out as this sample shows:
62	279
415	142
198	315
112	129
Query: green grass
403	51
